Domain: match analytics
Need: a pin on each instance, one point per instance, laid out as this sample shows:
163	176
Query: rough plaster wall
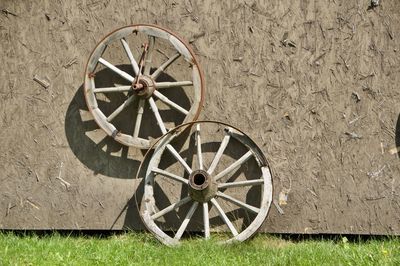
324	108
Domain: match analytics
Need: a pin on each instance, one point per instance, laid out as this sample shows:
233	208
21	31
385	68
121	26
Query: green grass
142	249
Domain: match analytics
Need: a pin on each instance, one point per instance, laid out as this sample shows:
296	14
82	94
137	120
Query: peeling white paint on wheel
149	201
106	124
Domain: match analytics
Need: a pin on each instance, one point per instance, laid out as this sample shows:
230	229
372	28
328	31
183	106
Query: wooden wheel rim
148	214
182	49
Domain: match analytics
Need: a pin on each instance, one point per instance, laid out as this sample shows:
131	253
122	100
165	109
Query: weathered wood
139	117
238	202
179	158
198	147
297	110
160	96
160	122
241	183
112	89
131	141
201	184
181	48
130	56
224	217
107	127
206	221
170	208
218	155
164	66
234	165
149	56
116	70
186	221
120	108
173	84
170	175
152	33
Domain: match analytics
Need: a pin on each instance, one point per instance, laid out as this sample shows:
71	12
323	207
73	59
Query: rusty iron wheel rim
148	97
148	212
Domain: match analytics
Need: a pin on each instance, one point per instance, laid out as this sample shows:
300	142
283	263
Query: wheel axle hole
199	179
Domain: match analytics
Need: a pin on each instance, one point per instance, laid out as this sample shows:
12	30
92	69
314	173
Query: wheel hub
144	87
202	186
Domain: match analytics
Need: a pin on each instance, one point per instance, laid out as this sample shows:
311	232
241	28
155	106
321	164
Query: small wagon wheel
143	85
209	188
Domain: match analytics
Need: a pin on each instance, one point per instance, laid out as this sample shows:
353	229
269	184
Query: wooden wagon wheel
143	85
209	187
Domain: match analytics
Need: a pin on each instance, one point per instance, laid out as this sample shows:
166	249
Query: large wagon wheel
220	183
143	85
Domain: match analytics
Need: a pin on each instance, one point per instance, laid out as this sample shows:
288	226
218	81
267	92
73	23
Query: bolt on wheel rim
216	181
158	90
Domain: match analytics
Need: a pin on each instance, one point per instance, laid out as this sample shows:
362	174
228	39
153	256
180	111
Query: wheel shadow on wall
101	153
173	220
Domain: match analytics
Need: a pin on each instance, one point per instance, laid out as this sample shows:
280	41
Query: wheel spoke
164	66
238	202
121	108
167	84
139	118
206	221
234	166
198	144
170	175
242	183
116	70
157	115
128	51
224	217
169	102
179	158
164	131
149	56
113	89
186	221
219	153
170	208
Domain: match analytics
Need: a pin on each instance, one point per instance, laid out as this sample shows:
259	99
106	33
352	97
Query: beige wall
298	101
